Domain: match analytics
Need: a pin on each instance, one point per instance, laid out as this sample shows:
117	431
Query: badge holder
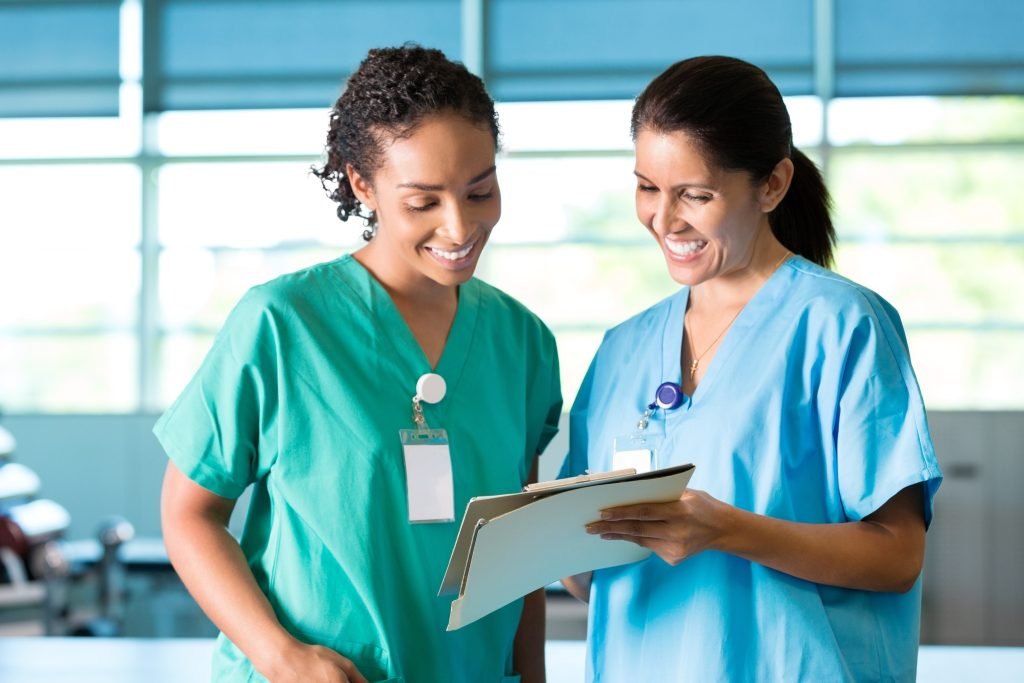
639	449
428	462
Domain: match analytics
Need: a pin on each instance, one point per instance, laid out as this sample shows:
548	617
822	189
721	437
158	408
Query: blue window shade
609	49
59	58
929	47
237	54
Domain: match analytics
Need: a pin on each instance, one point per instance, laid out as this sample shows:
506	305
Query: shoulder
289	300
822	290
505	311
647	325
837	307
314	283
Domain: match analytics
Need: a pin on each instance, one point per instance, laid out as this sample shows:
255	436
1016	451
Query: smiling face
436	199
710	223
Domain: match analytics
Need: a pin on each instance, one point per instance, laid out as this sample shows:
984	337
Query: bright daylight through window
117	268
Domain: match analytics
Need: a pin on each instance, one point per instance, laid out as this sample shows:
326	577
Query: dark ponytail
736	116
801	221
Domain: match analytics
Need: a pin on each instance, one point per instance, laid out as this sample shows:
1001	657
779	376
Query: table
173	660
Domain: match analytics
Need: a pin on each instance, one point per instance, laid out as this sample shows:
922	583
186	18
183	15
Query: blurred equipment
36	575
33	571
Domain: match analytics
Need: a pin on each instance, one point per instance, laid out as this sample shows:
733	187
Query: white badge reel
428	463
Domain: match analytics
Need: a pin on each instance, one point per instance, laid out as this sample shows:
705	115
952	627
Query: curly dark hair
390	93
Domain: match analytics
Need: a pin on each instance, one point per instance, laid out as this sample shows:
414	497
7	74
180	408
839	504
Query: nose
665	218
458	223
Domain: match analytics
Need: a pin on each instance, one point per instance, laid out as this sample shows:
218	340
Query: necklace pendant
693	368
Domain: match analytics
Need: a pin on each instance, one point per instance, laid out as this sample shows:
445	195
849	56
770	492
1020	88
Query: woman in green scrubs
309	394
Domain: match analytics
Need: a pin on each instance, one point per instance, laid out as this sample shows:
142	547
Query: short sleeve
214	432
545	395
577	460
881	433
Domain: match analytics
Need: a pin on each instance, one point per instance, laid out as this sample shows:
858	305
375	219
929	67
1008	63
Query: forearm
529	643
860	555
578	586
883	552
213	568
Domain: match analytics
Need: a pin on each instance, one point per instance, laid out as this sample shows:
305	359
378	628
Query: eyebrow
437	188
698	186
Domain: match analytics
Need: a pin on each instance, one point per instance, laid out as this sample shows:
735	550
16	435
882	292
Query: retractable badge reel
428	462
638	450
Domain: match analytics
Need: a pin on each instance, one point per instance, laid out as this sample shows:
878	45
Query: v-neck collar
753	312
408	355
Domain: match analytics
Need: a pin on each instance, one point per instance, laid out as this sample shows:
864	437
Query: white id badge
428	475
636	451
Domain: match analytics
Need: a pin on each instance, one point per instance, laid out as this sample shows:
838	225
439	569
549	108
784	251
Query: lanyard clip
431	388
417	415
645	419
668	396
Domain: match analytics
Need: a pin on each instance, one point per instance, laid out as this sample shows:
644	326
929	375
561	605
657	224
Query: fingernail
606	515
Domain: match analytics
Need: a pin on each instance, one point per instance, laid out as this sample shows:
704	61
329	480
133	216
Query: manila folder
531	545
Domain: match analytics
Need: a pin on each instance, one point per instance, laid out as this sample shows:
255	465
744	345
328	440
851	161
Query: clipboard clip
579	479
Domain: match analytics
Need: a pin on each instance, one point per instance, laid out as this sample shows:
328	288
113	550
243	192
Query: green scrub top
303	395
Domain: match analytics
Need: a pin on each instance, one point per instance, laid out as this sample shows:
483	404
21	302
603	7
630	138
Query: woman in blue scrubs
322	392
797	553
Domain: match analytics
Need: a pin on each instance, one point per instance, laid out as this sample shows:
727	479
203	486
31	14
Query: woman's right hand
302	663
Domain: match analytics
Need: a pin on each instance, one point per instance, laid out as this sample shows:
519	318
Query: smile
457	259
453	255
684	248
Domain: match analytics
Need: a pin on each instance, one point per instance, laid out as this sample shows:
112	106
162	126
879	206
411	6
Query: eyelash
698	198
427	207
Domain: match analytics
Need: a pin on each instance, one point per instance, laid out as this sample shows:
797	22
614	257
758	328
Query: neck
406	289
736	289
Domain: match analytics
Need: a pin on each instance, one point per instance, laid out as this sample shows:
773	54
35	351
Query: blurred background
154	164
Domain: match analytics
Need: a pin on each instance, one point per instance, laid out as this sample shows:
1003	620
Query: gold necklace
689	338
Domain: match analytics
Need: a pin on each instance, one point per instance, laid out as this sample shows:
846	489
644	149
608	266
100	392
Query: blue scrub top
808	412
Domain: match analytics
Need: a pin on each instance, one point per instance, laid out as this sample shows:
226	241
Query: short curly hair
390	93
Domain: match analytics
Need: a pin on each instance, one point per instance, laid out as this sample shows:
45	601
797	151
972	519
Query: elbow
905	585
903	575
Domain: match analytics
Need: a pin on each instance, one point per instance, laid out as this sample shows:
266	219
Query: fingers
351	672
672	553
631	528
337	662
643	511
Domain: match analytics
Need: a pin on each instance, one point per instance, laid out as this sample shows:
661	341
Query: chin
682	274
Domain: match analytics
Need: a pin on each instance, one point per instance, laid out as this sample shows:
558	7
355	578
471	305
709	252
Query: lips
455	259
453	255
686	248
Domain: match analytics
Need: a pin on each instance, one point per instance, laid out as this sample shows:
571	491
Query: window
127	236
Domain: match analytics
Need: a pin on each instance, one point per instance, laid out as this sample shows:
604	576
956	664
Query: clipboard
513	544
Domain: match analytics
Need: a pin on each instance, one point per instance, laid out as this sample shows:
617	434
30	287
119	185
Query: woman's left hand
673	531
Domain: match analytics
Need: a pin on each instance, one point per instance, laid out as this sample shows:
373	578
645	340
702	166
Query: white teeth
453	255
684	248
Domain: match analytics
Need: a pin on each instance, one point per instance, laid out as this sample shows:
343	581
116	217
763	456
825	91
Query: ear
776	186
361	187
